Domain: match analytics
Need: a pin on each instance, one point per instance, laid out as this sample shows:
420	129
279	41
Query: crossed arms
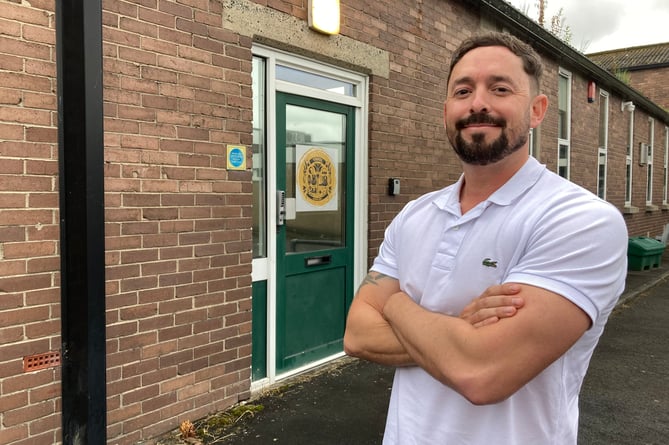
486	354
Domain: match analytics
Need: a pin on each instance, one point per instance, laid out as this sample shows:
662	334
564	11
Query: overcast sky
600	25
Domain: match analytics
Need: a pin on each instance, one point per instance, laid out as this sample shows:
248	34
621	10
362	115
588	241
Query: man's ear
538	110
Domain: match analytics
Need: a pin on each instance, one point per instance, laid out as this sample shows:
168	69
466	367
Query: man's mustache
479	118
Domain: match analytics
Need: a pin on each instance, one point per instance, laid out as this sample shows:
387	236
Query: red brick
11	334
29	249
25	283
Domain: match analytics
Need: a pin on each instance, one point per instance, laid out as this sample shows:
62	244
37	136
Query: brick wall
29	231
177	90
178	224
407	138
649	220
653	83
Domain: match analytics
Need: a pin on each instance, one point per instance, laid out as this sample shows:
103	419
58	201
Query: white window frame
533	146
564	162
665	178
602	149
649	161
629	159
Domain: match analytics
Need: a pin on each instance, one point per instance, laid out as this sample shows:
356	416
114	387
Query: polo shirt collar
524	178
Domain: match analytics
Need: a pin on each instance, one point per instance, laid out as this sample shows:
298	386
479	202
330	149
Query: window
312	80
534	142
273	72
628	160
564	122
603	143
665	179
259	159
649	161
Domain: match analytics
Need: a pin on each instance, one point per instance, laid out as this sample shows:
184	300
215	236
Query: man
492	375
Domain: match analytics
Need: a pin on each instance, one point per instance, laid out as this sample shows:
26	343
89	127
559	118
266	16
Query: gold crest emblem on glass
317	177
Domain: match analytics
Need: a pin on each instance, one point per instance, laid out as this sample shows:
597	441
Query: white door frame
263	268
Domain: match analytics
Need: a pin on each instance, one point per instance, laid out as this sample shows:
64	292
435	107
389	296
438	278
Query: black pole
81	160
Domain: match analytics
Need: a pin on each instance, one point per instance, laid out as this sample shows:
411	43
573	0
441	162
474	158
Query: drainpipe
629	107
81	185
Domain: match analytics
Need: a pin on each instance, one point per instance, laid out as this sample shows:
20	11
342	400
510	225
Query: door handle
280	208
317	260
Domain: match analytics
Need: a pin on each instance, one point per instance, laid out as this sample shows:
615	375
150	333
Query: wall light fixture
324	16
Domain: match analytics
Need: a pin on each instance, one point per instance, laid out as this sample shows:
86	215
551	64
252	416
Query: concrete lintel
283	31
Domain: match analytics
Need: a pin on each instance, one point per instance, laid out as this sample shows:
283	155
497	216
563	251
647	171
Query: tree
558	25
541	4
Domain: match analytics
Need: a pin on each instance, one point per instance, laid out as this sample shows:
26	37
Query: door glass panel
315	179
259	164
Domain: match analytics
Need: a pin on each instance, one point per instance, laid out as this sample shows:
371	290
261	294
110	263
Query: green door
314	228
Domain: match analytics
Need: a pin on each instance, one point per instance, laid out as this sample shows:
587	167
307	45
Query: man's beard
478	152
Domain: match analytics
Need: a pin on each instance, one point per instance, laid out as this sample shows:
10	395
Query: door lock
280	208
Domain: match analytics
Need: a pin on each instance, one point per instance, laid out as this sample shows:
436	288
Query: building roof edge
543	40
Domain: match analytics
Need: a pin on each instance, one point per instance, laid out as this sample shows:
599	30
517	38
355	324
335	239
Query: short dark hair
532	64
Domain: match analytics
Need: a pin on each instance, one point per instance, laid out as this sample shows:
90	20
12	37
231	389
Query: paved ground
625	398
345	404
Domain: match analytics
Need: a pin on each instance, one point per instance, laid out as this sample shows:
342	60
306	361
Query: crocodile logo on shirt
487	262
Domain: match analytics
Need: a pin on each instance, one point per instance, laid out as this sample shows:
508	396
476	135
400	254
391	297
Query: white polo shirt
538	229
